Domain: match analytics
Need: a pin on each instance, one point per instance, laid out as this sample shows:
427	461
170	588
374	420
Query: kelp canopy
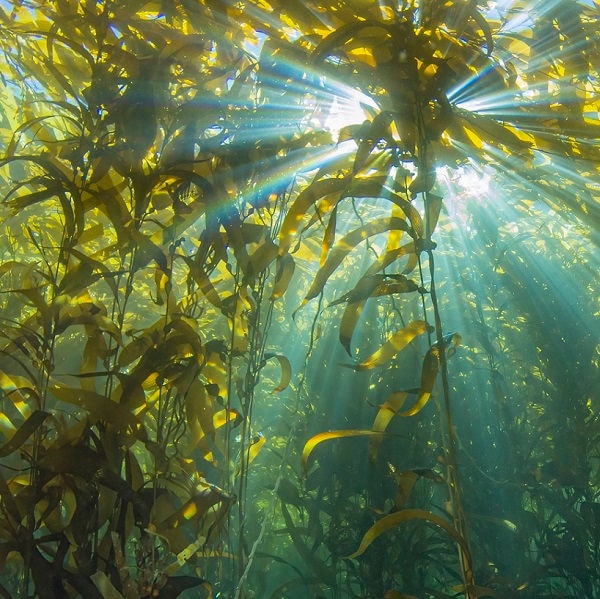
299	299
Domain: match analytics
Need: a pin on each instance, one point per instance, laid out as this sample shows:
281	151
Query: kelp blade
392	520
397	342
341	434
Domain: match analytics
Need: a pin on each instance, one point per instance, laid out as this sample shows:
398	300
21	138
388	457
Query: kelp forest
299	299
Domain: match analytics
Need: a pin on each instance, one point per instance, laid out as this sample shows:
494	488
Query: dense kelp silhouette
171	189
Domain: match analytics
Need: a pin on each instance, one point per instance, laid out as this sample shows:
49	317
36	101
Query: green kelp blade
384	416
326	436
392	520
397	342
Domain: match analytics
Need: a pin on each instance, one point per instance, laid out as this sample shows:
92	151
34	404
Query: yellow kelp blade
430	370
283	276
386	412
348	323
431	365
256	445
392	520
326	436
398	341
286	371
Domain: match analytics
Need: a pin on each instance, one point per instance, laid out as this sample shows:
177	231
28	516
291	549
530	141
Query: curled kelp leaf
429	370
398	341
346	244
368	286
286	371
384	416
326	436
283	275
306	198
392	520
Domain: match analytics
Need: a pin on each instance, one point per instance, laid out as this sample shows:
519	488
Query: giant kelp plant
299	299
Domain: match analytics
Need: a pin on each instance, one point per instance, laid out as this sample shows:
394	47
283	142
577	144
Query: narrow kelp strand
464	551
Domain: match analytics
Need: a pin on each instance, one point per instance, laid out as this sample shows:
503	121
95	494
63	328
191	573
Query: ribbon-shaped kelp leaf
433	207
325	572
101	408
398	341
368	286
283	276
306	198
431	365
326	436
23	433
329	237
392	520
199	276
384	416
286	371
346	244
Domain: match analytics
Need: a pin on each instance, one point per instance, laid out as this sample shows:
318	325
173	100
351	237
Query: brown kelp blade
392	520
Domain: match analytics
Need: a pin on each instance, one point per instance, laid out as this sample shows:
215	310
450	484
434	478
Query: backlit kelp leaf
199	409
260	260
329	236
306	198
101	408
19	389
481	129
377	286
362	290
429	370
346	244
368	286
23	433
336	40
55	175
398	341
256	444
348	323
384	416
433	206
286	371
283	275
392	520
327	436
205	498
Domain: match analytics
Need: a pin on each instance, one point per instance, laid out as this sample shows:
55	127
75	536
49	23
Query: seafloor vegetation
299	299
